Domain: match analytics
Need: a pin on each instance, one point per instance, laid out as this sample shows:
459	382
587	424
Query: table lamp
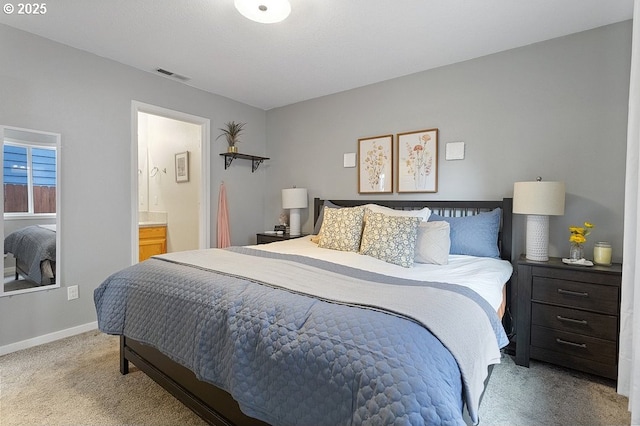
294	199
538	200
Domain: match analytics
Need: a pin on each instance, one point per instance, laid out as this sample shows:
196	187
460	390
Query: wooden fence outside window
16	199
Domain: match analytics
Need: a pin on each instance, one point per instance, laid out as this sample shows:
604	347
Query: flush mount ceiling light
264	11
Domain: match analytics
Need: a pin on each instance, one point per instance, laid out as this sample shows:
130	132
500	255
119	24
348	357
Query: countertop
149	224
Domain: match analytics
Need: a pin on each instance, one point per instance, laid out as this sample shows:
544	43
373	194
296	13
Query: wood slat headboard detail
443	208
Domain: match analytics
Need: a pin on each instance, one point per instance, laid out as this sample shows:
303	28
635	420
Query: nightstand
569	315
270	238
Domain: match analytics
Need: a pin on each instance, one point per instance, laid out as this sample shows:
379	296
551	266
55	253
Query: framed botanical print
375	165
418	161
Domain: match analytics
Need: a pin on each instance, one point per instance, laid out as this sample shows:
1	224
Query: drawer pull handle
577	345
573	293
575	321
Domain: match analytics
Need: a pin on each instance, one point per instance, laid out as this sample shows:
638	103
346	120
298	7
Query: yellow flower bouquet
578	234
577	237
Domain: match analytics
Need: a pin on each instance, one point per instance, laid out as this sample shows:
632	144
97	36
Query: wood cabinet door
152	241
152	247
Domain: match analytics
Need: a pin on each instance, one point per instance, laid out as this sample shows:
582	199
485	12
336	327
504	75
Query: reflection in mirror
31	210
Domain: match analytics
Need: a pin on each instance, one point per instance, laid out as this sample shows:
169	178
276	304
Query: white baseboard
51	337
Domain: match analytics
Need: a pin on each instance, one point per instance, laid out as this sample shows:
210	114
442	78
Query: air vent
172	74
165	72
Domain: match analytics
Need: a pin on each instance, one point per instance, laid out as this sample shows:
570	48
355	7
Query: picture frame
375	165
418	161
182	167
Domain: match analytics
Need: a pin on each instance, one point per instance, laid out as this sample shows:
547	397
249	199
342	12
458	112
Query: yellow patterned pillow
390	238
341	228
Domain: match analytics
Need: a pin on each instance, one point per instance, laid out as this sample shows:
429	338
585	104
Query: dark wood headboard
444	208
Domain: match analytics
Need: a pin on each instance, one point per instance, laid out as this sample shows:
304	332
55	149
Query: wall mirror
31	210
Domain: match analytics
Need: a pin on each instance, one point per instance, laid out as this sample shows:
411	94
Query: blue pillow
474	235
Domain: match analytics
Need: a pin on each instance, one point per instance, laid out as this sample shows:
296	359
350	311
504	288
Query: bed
34	249
275	335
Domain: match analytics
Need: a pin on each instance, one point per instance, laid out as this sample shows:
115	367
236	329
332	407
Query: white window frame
29	145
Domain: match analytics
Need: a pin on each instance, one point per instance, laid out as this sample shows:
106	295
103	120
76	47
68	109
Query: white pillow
422	213
433	243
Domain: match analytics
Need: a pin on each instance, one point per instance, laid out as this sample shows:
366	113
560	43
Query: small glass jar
576	252
602	253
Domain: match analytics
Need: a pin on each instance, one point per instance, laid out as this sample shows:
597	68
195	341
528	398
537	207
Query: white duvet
486	276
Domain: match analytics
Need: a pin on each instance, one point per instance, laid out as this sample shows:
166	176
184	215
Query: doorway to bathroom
170	192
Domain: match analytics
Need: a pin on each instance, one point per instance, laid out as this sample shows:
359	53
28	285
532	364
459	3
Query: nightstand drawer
266	239
575	321
595	297
603	351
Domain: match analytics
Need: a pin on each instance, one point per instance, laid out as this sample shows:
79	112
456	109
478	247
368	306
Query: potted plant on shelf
231	132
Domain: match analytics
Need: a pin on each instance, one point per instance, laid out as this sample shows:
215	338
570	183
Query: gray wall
556	109
87	99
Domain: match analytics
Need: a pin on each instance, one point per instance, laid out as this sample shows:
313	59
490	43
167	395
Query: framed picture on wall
375	165
418	161
182	167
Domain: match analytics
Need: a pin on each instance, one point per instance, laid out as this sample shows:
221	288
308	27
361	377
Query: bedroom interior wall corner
97	147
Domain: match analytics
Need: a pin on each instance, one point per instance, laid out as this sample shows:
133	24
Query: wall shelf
255	160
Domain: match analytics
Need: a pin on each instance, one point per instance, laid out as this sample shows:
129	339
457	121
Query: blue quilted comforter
33	245
286	357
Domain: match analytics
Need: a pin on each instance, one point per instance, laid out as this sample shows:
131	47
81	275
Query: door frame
204	238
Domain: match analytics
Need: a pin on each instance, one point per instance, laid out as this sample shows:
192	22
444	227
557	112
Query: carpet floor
76	381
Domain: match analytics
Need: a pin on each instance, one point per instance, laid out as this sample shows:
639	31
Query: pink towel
224	236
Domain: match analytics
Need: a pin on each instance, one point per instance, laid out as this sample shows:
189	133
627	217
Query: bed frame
215	405
22	268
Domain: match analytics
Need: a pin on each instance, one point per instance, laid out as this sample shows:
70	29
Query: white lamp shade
264	11
539	198
294	198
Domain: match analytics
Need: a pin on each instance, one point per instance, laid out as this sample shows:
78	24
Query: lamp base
537	238
294	222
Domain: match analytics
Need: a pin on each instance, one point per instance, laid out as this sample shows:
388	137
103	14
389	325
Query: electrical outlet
72	292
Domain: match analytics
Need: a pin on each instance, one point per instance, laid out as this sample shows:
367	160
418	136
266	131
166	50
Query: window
29	173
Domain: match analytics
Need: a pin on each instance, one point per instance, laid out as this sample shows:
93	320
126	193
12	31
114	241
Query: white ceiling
324	47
